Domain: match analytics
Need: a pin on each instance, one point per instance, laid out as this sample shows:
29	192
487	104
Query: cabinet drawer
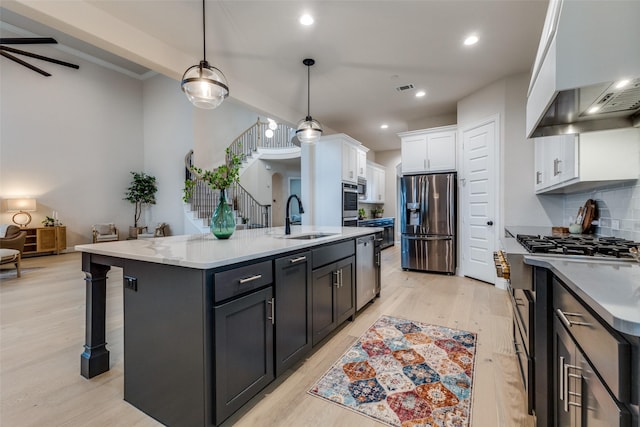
525	363
608	352
328	254
238	281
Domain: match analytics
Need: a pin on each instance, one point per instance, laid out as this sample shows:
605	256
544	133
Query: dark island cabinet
333	297
591	367
244	350
292	309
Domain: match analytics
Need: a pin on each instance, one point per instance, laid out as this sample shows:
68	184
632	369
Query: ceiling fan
4	51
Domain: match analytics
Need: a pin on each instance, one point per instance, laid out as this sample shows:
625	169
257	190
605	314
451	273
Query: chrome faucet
287	221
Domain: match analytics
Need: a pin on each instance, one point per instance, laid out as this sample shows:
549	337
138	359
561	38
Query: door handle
489	223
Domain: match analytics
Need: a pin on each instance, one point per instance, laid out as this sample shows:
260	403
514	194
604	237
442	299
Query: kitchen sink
309	236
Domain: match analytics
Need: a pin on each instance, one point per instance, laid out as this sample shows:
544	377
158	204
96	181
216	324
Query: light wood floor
42	334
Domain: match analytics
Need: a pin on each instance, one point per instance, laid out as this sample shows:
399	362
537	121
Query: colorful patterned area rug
405	373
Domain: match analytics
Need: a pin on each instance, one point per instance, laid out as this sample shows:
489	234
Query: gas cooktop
609	247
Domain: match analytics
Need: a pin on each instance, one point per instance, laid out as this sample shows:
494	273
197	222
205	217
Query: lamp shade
309	130
24	204
205	86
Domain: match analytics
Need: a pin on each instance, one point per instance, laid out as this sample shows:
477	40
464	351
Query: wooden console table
41	240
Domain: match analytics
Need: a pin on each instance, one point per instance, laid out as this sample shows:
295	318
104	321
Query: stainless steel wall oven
349	205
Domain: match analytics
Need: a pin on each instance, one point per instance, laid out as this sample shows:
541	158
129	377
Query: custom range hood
586	76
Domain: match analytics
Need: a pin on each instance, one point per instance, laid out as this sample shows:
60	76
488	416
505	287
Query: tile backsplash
618	210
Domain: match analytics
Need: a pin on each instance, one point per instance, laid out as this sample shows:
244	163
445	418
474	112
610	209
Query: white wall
70	141
518	203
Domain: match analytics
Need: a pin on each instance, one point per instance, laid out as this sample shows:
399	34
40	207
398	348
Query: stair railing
254	214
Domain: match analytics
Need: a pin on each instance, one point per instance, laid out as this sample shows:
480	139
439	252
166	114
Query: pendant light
309	130
205	86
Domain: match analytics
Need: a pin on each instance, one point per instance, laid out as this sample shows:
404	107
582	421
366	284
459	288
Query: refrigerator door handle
414	237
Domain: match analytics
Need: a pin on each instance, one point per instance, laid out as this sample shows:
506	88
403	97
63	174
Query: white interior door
479	201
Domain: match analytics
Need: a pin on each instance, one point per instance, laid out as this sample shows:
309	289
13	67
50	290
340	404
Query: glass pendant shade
309	130
205	86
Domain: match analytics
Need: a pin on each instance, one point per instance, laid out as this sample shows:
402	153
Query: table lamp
22	207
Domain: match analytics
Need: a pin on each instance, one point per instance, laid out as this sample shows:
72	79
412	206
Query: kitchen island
208	323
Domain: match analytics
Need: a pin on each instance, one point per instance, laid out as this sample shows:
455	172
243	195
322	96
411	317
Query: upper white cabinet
567	163
429	150
354	160
376	175
362	163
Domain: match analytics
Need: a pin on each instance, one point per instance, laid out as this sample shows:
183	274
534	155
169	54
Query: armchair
106	232
12	237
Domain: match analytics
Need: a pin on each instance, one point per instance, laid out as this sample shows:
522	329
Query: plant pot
223	223
134	231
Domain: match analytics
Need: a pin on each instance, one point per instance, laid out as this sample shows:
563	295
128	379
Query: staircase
248	147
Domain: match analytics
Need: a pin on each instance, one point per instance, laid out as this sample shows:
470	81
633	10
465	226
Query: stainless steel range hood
587	50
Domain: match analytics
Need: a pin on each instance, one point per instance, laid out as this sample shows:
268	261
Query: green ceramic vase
223	224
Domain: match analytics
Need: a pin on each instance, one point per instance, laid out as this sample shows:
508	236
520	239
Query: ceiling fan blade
28	40
43	58
26	64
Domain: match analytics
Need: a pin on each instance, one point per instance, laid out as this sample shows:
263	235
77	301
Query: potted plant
223	223
361	214
142	191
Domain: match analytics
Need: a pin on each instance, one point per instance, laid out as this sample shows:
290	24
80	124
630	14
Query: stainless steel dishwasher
366	288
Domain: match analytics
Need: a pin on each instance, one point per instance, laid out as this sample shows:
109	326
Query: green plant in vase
223	223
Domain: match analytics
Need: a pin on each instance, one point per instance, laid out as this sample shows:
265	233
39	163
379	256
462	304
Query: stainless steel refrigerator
428	222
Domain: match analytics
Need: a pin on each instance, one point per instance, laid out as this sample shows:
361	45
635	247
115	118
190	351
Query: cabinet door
569	147
61	238
362	164
349	160
541	176
369	197
379	177
345	303
598	407
414	154
46	239
441	151
243	350
292	309
324	283
566	388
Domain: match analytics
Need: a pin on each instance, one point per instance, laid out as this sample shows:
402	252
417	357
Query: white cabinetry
568	163
354	160
429	150
362	163
375	183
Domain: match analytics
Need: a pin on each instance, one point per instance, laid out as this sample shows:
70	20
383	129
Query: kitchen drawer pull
300	258
250	279
561	378
516	344
519	302
336	281
569	323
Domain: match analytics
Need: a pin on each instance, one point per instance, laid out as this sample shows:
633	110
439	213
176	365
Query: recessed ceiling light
306	19
384	126
622	83
420	94
471	40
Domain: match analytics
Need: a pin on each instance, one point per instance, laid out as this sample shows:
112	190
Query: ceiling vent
404	87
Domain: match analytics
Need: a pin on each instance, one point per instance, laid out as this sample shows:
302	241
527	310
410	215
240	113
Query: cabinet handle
569	323
378	259
424	162
272	302
567	393
561	377
300	258
538	177
336	282
250	279
519	302
428	163
340	278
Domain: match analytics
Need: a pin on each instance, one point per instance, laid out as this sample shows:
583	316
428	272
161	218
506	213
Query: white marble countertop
610	288
204	251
